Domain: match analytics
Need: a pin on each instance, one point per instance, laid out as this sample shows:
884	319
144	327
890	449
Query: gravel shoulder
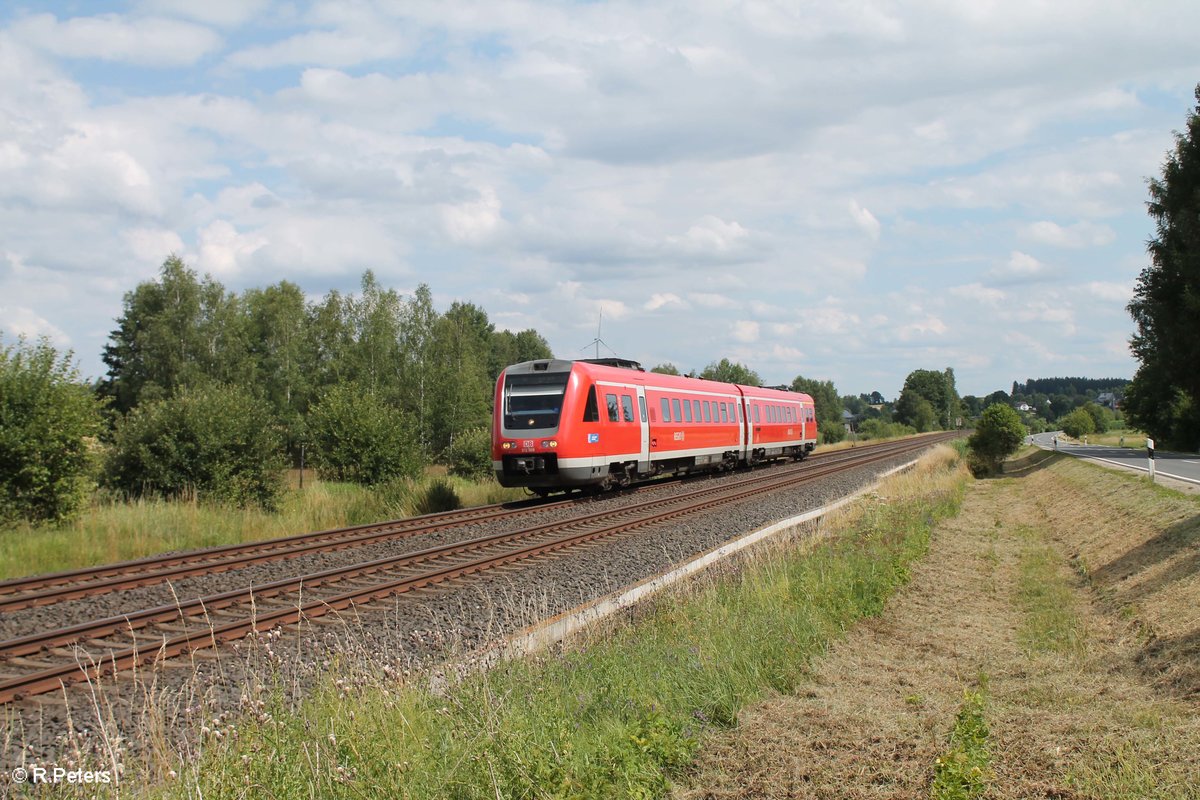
1066	596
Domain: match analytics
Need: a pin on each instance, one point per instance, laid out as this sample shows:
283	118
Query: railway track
46	661
42	590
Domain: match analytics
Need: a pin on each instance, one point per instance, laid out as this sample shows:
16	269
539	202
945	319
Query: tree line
214	393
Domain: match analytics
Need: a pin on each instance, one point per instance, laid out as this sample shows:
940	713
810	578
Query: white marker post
1150	456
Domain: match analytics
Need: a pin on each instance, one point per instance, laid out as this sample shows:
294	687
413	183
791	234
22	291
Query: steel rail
171	612
43	590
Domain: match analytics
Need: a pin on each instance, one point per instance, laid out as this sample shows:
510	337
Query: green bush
1100	416
438	496
831	431
878	429
470	454
997	435
215	441
1078	423
46	417
357	437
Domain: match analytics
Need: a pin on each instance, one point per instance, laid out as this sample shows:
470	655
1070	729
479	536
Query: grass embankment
1049	646
616	714
121	531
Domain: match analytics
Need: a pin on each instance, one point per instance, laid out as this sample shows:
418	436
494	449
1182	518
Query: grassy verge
616	715
1051	623
964	771
120	531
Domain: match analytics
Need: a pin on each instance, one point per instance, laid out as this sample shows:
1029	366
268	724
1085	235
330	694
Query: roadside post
1150	456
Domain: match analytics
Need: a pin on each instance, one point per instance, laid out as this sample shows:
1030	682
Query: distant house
1108	400
850	421
1024	407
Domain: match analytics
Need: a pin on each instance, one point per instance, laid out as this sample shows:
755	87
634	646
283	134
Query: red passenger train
600	423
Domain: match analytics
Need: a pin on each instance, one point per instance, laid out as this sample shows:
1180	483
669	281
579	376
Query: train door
644	423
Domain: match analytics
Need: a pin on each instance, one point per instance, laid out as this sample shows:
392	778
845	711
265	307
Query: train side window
707	411
675	415
724	413
627	407
666	408
591	410
611	400
642	406
696	410
756	413
687	410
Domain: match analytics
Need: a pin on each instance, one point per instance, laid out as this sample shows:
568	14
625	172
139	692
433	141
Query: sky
845	191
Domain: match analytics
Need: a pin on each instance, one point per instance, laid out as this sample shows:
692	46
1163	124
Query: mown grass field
1046	647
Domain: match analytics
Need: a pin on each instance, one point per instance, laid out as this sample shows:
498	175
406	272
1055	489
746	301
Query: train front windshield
533	401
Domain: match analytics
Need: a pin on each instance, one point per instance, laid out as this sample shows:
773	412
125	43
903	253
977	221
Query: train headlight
549	443
506	446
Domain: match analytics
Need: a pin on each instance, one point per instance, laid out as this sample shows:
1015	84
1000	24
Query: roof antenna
598	341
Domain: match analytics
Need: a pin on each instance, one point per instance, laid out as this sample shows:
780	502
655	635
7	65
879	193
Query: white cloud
154	42
664	299
152	245
1110	290
20	321
865	220
1081	234
979	293
224	251
927	326
226	13
473	221
712	234
708	300
329	48
1019	268
744	331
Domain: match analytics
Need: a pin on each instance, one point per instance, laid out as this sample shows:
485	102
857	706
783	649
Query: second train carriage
569	424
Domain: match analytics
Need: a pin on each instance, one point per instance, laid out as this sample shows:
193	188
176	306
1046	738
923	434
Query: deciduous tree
728	371
997	435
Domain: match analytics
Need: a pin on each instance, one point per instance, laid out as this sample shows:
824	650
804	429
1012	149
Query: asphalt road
1178	466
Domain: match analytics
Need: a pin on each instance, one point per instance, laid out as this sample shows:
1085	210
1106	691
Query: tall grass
118	531
615	715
